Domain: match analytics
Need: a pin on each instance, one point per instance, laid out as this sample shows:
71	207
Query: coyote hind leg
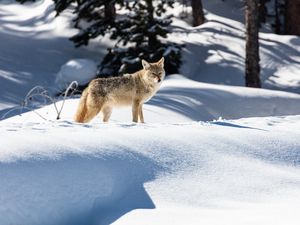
107	110
93	108
90	114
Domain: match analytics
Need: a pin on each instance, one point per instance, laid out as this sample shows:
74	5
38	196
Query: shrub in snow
79	70
39	96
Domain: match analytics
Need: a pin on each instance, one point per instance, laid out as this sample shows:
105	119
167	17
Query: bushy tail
82	108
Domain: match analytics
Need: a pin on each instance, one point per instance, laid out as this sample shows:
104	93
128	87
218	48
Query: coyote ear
161	62
145	64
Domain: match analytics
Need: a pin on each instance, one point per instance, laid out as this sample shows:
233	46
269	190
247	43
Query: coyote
103	94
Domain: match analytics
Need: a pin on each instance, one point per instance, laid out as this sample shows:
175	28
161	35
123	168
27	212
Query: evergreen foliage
140	35
93	18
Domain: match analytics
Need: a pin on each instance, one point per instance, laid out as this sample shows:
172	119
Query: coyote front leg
135	110
141	113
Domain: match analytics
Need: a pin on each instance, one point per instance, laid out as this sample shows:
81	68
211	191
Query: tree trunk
198	14
292	17
110	11
262	11
252	44
278	26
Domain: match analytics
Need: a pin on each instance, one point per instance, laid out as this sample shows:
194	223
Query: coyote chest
147	92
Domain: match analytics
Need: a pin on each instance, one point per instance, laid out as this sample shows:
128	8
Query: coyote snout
103	94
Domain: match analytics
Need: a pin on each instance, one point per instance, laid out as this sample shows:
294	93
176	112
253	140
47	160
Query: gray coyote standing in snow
103	94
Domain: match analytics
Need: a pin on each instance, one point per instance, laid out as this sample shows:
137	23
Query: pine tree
252	44
141	35
93	18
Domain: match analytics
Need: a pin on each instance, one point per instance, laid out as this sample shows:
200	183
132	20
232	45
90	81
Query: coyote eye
156	74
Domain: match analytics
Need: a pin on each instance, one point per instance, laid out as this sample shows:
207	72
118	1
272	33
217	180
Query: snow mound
80	70
182	173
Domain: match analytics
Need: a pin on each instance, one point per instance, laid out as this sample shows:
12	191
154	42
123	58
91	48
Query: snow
209	153
34	45
215	51
181	172
182	169
79	70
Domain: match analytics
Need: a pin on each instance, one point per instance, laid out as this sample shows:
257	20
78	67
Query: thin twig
70	87
42	92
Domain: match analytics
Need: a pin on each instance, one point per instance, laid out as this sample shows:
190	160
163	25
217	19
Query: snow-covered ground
181	170
208	153
224	172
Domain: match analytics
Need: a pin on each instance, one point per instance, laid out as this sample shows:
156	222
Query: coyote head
154	71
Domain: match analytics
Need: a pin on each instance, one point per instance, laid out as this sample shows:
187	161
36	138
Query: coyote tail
82	108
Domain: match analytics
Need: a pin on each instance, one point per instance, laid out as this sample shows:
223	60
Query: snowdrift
171	170
80	70
230	172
